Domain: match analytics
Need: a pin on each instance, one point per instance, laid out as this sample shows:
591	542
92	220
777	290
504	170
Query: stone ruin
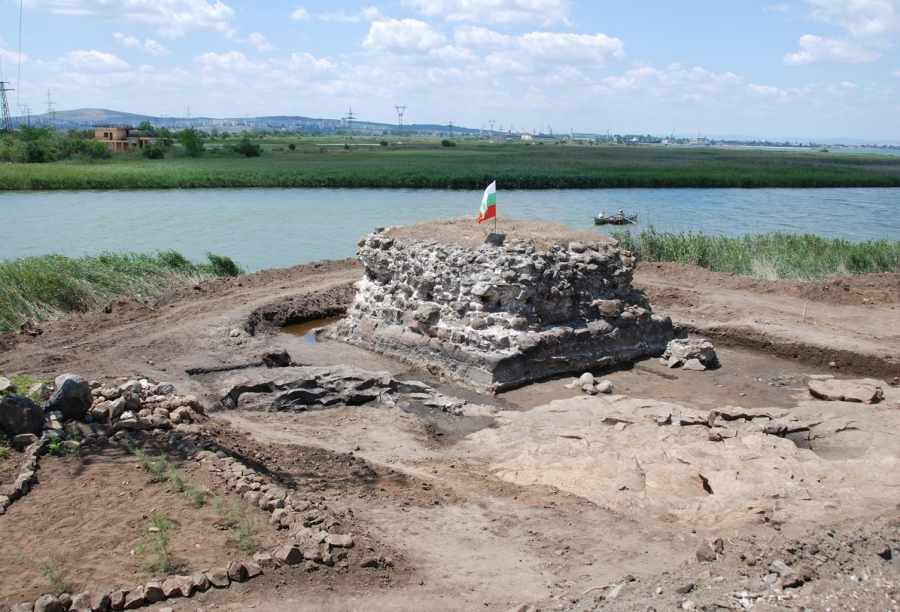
495	311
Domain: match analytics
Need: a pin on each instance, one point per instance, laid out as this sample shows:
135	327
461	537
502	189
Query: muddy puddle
307	330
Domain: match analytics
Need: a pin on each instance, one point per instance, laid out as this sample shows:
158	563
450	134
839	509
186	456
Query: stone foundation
497	311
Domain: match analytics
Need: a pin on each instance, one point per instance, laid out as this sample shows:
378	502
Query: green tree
145	129
38	149
191	142
97	150
250	149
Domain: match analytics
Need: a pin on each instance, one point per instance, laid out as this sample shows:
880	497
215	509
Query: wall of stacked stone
504	313
143	408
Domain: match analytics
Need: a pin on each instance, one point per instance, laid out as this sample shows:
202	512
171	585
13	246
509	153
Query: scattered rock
73	397
832	389
20	415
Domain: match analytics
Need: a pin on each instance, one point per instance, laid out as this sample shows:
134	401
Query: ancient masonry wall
504	313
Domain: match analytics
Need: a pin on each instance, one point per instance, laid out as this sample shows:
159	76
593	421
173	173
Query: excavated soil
421	493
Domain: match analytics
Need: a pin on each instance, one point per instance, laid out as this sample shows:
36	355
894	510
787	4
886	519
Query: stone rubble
831	389
313	534
302	388
505	313
694	354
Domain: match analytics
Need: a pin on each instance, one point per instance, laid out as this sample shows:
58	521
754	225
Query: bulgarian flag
488	203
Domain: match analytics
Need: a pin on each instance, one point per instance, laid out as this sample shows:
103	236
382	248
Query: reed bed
49	287
469	166
770	256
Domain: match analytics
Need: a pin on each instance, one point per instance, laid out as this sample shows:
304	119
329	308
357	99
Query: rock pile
691	354
82	413
314	536
539	301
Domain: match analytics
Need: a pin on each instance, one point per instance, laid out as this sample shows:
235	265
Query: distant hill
88	117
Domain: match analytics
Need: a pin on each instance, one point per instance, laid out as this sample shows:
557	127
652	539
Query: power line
400	111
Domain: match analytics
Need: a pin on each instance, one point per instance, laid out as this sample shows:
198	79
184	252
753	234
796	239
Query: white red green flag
488	203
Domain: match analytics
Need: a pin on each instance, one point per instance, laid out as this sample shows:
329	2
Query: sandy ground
487	513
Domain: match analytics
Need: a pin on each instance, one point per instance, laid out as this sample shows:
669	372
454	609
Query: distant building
119	139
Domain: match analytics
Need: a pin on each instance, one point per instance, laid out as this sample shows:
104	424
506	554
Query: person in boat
602	214
621	213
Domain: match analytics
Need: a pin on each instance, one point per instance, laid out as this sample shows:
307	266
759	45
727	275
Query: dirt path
461	532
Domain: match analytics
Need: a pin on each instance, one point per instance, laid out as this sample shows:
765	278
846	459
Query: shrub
153	151
245	147
447	143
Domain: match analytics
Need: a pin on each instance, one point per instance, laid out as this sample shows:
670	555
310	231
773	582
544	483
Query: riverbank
38	289
470	165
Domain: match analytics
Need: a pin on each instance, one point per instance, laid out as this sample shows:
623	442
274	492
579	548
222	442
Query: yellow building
121	138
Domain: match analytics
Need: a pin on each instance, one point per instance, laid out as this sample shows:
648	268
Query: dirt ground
422	493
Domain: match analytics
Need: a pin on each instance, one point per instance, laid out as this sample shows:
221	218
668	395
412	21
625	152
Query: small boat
618	219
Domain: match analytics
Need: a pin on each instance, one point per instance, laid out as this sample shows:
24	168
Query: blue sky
800	69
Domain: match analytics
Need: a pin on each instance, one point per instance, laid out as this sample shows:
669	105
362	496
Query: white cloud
764	90
543	12
406	35
524	53
875	22
676	82
259	41
777	8
369	13
475	36
816	50
171	18
308	62
149	45
233	61
868	24
93	61
300	14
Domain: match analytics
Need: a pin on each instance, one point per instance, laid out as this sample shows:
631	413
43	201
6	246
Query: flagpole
495	216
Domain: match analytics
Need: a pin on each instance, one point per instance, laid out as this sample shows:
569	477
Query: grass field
471	164
52	286
772	256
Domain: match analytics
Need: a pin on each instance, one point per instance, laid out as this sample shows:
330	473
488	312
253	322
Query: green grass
470	165
23	382
48	287
771	256
50	567
157	538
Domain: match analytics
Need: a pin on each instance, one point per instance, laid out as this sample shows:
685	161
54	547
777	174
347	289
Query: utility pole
349	119
451	128
491	134
24	109
6	126
400	111
50	110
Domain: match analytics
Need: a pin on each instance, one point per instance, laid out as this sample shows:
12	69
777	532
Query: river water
268	228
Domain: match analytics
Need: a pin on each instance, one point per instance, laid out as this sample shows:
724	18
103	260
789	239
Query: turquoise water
268	228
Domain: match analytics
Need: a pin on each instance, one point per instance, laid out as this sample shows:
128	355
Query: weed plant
771	256
197	495
176	479
49	567
51	286
240	520
157	538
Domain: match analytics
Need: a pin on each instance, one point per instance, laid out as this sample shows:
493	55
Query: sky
794	70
